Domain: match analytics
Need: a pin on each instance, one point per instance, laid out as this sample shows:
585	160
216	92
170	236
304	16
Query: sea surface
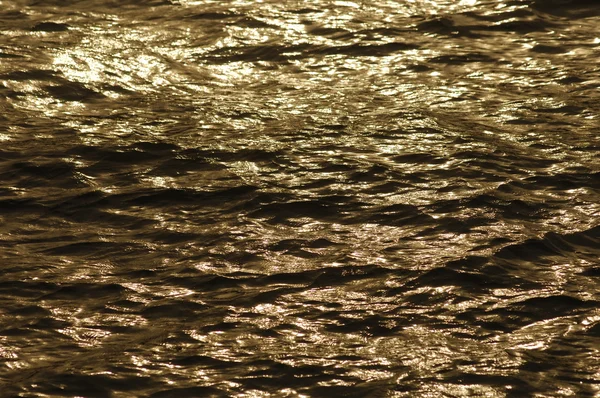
273	198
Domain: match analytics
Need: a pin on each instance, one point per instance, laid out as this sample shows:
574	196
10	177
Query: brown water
319	199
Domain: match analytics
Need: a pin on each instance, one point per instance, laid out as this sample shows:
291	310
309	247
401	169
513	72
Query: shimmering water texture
299	199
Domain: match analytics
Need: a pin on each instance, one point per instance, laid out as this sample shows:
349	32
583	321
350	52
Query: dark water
299	199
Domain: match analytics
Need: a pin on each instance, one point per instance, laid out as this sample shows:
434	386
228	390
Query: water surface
320	199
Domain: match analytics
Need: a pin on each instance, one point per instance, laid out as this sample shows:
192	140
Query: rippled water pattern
299	199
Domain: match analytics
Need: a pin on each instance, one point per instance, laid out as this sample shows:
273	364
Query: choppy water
322	199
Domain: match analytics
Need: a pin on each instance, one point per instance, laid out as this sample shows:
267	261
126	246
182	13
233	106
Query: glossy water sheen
320	199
